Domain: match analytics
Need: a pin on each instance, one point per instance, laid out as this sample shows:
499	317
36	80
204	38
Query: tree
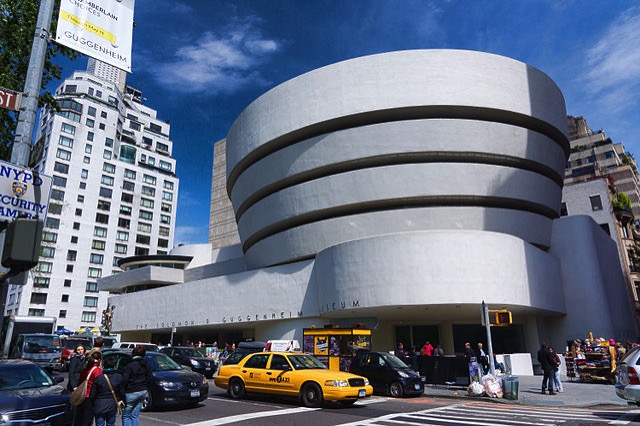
17	27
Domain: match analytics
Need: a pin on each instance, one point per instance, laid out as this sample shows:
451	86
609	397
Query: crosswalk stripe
248	416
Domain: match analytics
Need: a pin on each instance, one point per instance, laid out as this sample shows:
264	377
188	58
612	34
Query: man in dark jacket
546	362
136	380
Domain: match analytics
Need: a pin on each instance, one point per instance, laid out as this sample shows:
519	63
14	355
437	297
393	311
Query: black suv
191	357
387	373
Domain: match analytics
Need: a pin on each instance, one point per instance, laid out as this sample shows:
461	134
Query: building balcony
623	214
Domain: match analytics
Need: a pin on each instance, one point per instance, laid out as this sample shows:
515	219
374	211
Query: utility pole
27	118
21	149
487	324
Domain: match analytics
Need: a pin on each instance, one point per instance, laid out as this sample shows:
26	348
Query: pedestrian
438	351
76	364
557	383
104	394
428	348
482	358
469	354
83	415
98	344
135	382
546	362
400	352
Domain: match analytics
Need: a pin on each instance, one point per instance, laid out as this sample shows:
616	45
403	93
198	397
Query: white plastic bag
475	389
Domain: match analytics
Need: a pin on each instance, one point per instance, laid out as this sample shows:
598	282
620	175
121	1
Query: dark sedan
30	396
387	373
172	385
191	357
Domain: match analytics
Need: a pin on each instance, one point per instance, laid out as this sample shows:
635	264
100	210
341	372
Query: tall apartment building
596	172
114	194
594	155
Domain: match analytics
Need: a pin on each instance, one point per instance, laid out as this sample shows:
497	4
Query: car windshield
192	352
161	362
150	348
394	361
305	362
13	377
630	354
41	344
108	341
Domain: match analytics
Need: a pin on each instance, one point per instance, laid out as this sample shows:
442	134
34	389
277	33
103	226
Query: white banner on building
101	29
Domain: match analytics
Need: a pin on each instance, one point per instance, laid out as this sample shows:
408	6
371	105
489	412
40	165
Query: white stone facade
399	190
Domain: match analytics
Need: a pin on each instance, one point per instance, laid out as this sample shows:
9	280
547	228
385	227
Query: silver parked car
628	376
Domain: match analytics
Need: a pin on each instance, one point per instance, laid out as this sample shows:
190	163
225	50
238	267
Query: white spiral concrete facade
398	142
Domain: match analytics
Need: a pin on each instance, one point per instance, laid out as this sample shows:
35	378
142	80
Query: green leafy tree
17	27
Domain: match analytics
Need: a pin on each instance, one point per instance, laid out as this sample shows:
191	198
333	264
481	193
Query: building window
83	185
122	236
144	227
87	160
39	298
65	141
78	212
109	168
108	142
63	154
106	192
165	219
49	237
35	312
98	245
64	298
168	196
563	209
52	223
94	273
143	239
127	198
41	282
72	255
129	174
165	165
125	210
145	202
129	186
59	181
107	180
61	168
121	249
55	208
89	317
106	154
80	199
90	136
74	240
147	190
67	283
102	218
57	194
124	223
103	114
91	111
128	153
166	208
90	122
104	205
164	231
69	268
168	184
163	243
88	148
596	202
62	314
162	147
149	179
96	259
47	251
100	232
68	128
142	251
145	215
76	226
45	267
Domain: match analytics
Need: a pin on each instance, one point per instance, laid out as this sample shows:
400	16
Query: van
42	349
128	346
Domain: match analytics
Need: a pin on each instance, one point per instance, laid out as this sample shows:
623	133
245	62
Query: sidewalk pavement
576	394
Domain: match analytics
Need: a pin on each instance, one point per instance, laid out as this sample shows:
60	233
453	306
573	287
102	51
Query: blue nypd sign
23	192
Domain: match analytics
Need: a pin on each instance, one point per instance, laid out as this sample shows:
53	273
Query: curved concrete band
461	137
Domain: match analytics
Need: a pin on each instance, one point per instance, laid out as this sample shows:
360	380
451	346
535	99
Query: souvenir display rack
596	365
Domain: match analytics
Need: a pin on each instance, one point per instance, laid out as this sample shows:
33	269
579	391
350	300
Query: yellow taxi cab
291	374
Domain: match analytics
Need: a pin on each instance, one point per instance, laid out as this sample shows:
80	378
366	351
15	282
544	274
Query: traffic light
22	241
500	317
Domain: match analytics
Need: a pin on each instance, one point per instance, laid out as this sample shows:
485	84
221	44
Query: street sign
23	192
10	99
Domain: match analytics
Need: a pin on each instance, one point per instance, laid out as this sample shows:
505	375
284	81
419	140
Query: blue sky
201	62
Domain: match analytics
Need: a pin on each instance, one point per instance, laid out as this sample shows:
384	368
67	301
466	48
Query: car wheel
147	403
395	389
236	388
311	395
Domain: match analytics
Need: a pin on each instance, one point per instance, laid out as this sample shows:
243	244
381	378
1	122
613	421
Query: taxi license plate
362	393
416	386
195	393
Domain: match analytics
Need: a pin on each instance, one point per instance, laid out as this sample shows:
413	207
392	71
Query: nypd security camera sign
23	192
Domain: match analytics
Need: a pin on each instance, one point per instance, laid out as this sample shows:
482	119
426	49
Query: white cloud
217	62
614	61
191	235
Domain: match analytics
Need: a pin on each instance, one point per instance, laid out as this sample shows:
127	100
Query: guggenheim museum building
398	192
